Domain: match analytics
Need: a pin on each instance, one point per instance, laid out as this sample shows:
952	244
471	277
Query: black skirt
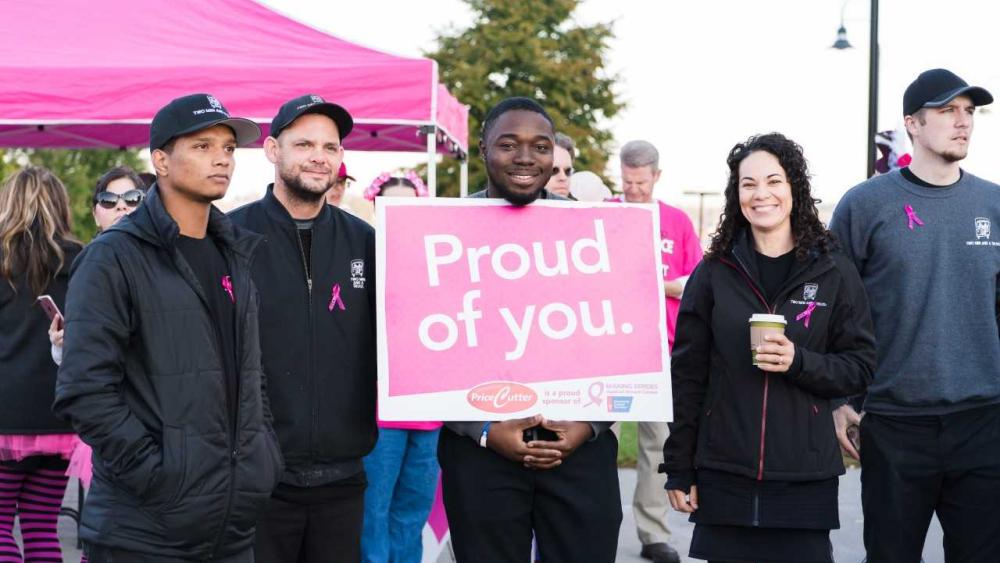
739	544
742	519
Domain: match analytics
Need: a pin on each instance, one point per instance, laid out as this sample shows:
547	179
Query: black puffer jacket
731	416
143	383
27	373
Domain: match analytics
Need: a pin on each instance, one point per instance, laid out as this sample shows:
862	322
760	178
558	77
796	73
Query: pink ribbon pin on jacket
807	314
335	300
227	284
911	216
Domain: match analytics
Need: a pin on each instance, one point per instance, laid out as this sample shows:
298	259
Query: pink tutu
15	447
80	463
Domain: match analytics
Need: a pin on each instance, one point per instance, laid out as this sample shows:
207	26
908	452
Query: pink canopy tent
92	74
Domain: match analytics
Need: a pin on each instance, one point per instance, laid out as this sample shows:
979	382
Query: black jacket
320	358
143	383
731	416
27	373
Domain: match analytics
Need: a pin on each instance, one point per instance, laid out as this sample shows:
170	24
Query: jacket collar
743	252
278	213
151	223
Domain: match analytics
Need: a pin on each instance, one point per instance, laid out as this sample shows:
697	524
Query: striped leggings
34	492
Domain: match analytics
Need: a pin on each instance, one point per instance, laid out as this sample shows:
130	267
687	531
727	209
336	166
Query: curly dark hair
807	230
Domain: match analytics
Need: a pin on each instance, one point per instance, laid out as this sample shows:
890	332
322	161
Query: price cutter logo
502	397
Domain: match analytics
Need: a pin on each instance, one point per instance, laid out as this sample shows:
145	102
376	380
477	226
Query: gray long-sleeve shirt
930	260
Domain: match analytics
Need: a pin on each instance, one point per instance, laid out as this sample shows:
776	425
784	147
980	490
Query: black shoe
660	553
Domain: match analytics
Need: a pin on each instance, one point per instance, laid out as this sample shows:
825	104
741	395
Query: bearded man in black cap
923	243
161	371
316	280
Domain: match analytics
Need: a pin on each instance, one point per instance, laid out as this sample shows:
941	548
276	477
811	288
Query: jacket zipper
306	261
234	452
744	271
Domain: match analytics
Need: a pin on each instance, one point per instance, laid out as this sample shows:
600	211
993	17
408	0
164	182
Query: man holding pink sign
488	287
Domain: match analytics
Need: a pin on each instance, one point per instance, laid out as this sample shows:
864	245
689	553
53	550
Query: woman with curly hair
752	454
36	250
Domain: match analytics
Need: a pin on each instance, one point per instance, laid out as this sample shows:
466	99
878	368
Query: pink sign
487	309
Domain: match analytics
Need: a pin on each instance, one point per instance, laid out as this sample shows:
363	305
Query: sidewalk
847	541
847	546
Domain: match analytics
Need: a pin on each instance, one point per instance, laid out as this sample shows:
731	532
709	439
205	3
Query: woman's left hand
776	354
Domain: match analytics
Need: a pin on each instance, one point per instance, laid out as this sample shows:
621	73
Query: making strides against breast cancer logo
502	397
358	273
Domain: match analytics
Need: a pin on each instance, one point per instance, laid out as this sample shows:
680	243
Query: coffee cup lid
761	318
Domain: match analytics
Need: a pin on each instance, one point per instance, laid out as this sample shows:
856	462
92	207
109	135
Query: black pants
493	504
103	554
313	524
914	466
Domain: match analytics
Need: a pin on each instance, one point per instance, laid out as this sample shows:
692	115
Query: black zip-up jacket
318	338
27	373
143	382
730	415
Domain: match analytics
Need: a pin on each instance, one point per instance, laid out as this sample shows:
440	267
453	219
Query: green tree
78	170
530	48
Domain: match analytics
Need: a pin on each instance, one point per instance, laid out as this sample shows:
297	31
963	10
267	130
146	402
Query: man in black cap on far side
317	286
922	240
161	371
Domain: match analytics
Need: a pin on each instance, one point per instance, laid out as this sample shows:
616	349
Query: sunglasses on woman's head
109	200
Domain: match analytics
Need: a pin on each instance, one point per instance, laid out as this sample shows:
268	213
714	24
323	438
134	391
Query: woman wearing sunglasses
117	193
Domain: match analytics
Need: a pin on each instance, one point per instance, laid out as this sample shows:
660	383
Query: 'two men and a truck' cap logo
196	112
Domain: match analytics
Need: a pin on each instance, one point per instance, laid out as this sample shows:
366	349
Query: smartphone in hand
51	309
854	435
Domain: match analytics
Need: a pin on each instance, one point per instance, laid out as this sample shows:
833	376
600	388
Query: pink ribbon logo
596	392
335	300
807	314
227	284
911	216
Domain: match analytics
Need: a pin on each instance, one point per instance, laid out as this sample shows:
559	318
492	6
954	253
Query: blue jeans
402	479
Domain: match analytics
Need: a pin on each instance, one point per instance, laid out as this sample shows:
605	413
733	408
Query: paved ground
846	541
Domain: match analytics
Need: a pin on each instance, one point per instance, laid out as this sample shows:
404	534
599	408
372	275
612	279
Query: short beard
954	156
512	197
298	190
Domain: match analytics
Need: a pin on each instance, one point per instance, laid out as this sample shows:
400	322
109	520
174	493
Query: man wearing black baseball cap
923	243
161	373
315	275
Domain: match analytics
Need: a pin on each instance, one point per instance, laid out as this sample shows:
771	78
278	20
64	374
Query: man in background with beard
317	320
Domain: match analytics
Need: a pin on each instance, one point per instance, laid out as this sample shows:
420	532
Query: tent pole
432	160
463	178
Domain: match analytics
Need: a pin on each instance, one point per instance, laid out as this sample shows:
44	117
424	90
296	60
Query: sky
699	77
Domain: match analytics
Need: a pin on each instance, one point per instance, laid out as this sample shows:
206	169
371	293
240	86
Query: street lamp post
701	206
842	43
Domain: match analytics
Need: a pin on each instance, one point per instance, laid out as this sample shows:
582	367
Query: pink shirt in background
680	253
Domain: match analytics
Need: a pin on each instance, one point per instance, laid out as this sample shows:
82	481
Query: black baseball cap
195	112
311	103
936	87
